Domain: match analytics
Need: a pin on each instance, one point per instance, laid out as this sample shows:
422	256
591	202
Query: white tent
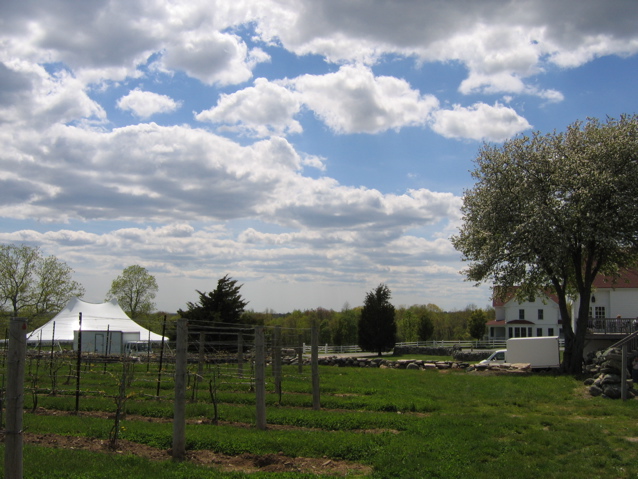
97	319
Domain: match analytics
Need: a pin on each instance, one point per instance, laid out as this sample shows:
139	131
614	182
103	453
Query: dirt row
245	463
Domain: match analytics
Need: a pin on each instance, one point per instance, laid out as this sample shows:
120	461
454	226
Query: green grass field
401	423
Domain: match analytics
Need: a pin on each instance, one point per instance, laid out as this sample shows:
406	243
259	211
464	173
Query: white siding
624	302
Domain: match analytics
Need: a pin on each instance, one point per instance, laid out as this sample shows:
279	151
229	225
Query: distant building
526	319
611	298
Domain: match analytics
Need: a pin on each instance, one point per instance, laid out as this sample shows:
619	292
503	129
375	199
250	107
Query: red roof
496	322
502	322
627	279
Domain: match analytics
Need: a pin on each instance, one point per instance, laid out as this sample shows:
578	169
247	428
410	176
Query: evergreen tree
377	327
220	309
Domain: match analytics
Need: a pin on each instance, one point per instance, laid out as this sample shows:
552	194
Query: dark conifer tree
377	327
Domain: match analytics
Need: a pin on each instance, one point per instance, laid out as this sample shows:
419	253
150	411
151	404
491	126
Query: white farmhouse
525	319
613	310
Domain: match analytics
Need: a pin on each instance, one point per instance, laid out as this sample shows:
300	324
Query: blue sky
310	149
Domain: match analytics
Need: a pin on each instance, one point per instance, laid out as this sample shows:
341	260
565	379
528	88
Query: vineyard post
200	363
52	348
15	398
276	360
179	411
78	368
300	354
314	359
161	359
260	377
240	355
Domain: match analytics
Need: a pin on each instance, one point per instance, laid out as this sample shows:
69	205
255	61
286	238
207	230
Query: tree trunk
575	340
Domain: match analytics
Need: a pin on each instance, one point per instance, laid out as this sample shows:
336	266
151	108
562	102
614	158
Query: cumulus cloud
354	100
501	47
145	104
34	97
479	122
264	109
212	57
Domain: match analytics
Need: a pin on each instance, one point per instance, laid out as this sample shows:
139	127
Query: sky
310	149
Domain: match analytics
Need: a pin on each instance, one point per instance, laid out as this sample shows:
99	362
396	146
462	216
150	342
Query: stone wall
382	363
457	353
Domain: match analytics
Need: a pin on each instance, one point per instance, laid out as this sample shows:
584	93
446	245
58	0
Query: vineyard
371	422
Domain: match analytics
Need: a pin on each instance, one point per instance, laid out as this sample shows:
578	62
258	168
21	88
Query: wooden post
106	346
78	368
623	374
240	355
148	352
314	359
260	378
276	360
300	354
52	350
15	398
200	363
161	358
179	408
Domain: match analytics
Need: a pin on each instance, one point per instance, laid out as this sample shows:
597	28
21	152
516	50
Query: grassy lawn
401	423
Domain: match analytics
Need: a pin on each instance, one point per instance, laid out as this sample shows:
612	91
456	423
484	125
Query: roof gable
498	301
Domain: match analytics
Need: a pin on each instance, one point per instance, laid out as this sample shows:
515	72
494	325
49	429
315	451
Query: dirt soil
245	463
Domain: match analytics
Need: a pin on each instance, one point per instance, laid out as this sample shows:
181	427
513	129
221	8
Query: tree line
38	287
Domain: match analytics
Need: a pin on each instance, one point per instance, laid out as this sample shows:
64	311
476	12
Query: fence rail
612	326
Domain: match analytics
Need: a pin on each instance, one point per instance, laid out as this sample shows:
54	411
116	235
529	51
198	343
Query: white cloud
212	57
145	104
353	100
479	122
32	96
263	110
501	46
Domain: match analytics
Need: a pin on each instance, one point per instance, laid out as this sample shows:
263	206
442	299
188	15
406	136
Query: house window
539	332
599	312
521	314
541	314
550	331
509	333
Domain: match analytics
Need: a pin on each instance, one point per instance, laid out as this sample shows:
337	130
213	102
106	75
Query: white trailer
539	352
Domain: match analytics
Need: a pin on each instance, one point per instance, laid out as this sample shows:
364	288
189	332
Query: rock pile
605	368
503	367
383	363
